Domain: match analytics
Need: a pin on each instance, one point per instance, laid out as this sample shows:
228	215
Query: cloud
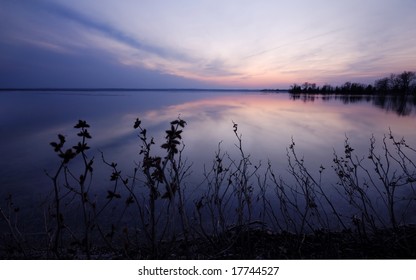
294	42
131	51
24	66
109	31
245	43
56	46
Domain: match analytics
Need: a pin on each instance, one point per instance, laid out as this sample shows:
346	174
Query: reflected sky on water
29	121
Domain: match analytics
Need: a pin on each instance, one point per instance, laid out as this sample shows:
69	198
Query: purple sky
206	43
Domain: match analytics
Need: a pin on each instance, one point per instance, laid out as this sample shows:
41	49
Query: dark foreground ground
252	244
258	244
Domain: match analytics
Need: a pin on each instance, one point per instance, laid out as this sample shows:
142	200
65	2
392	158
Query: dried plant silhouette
241	210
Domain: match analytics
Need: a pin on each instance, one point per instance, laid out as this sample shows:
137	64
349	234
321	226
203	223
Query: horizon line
136	89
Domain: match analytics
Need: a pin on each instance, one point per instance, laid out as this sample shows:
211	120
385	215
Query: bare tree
405	80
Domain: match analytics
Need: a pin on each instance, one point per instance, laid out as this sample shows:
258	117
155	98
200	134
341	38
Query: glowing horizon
236	44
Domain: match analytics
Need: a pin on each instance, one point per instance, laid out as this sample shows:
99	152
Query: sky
204	43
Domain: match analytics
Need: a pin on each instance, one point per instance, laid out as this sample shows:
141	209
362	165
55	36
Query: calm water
29	121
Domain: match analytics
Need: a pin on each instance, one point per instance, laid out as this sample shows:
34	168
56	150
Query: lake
267	124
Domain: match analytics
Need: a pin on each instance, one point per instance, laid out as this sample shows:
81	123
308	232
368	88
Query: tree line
399	84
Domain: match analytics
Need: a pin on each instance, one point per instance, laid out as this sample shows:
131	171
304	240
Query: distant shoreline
138	89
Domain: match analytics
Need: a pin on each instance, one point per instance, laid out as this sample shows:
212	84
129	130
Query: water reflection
402	105
267	122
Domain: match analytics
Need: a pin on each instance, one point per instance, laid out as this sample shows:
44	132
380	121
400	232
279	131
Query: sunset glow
208	44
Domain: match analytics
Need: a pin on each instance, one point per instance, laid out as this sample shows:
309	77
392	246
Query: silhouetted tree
327	89
383	86
404	81
295	88
369	89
